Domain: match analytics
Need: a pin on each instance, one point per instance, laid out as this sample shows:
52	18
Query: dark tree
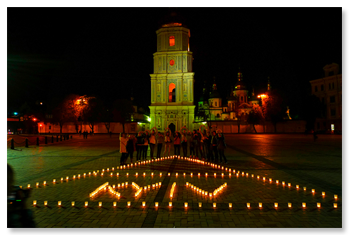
122	110
65	111
255	117
272	108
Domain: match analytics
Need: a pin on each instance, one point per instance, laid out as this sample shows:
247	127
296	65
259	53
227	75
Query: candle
114	204
176	174
73	176
289	205
214	174
335	196
248	205
297	186
34	203
191	174
257	176
54	181
230	205
199	174
303	204
143	204
118	174
127	174
79	176
45	203
323	194
129	203
156	204
335	205
152	174
199	204
37	184
59	203
304	188
251	175
145	188
289	184
318	205
260	204
186	204
276	205
313	191
222	174
160	184
112	168
277	181
44	183
160	174
170	204
168	173
214	204
283	183
73	203
100	204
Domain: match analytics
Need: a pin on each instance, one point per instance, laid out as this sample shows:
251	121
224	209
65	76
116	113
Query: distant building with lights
172	80
239	102
329	90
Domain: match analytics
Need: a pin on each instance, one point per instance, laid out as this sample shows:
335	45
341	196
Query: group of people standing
208	146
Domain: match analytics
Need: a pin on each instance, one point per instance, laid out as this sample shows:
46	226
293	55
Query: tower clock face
171	62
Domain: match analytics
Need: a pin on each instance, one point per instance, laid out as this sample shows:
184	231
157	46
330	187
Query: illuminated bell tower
172	79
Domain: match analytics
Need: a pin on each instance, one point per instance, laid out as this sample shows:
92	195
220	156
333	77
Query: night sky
108	52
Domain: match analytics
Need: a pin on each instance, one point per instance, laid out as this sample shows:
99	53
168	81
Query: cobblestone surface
294	159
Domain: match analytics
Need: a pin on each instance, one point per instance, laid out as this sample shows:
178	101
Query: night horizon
60	51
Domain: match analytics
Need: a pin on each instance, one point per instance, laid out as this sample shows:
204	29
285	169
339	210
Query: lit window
172	92
171	41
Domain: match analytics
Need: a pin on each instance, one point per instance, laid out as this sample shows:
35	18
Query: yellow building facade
172	80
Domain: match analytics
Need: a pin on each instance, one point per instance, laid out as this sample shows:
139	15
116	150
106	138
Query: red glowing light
171	41
171	62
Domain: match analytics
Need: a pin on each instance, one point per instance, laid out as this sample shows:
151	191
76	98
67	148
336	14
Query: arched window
172	92
171	41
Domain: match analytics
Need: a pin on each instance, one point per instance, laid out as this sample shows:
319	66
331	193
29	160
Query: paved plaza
288	160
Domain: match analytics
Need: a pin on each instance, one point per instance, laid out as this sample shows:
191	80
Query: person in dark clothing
160	141
139	146
197	144
209	147
130	148
145	146
214	144
177	142
221	147
18	216
184	143
192	143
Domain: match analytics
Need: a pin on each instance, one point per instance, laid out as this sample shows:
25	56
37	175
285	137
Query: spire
239	75
205	87
268	83
214	85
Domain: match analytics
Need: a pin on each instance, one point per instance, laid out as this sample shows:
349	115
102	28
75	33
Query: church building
172	81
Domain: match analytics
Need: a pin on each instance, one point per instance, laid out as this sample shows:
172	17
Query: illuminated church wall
172	82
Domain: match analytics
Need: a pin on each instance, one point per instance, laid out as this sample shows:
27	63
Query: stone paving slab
294	159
